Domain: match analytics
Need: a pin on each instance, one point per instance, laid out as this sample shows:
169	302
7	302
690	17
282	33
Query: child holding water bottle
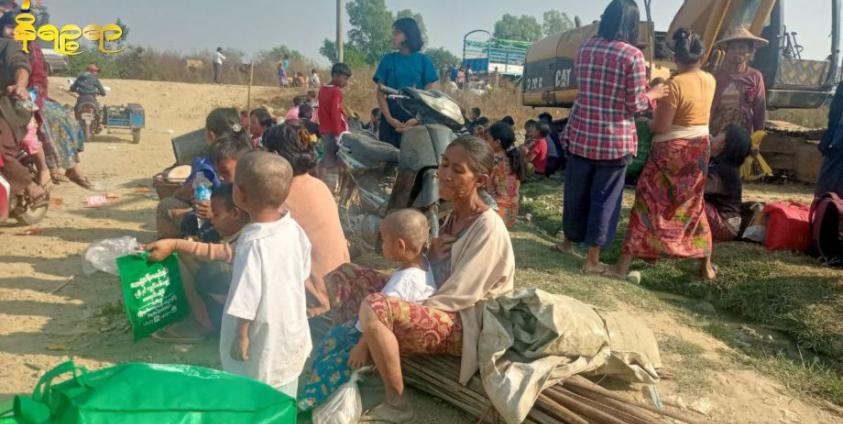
224	155
221	124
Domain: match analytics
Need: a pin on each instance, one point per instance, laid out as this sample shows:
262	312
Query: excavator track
789	129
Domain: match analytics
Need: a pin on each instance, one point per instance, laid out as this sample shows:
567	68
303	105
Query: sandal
600	269
715	269
81	181
385	413
58	177
633	277
39	201
47	182
557	248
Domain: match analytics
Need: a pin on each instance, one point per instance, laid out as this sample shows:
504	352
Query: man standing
218	58
314	81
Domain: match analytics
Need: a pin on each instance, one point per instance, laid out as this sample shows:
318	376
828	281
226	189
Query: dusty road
85	320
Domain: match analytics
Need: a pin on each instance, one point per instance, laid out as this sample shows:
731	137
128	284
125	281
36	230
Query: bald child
264	332
404	235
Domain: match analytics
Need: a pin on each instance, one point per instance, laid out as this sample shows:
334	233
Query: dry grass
158	65
360	97
360	100
781	290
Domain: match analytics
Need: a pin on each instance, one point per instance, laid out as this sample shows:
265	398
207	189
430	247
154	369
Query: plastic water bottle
201	192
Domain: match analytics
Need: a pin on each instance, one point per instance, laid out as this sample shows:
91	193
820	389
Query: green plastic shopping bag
152	292
7	412
138	393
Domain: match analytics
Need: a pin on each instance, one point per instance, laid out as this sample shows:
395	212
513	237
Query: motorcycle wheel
97	125
86	132
32	216
136	135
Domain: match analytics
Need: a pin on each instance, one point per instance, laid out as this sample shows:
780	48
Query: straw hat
742	33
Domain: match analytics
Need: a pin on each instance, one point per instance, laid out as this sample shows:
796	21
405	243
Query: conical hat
742	33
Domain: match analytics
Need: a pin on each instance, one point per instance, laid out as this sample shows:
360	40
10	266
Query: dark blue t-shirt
401	71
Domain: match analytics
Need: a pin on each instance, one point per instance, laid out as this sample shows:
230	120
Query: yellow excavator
792	82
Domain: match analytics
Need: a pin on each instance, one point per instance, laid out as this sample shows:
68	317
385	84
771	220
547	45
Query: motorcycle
376	177
18	207
89	115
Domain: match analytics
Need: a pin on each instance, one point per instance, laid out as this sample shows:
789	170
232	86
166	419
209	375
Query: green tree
371	28
352	56
439	56
277	53
555	22
523	28
407	13
370	33
77	64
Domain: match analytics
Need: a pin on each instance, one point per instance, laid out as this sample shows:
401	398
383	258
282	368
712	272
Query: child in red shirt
332	121
538	150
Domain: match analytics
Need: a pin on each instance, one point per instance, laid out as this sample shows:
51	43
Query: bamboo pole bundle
575	401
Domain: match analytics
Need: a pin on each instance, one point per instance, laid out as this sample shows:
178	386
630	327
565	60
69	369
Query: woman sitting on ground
311	204
509	171
723	189
472	260
537	155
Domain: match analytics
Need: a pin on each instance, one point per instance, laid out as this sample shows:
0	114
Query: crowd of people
286	78
680	194
267	252
273	224
267	202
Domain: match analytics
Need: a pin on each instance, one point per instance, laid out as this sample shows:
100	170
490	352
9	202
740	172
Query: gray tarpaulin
532	340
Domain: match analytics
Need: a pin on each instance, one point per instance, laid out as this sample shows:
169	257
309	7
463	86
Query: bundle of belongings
536	350
755	167
533	340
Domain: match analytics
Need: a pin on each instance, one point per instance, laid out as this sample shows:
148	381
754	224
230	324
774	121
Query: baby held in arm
404	234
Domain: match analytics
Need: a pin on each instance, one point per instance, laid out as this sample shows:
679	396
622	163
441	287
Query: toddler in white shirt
404	235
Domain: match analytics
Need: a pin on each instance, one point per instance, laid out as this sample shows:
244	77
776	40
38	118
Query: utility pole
340	24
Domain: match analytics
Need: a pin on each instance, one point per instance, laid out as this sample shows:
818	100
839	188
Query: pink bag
30	141
788	226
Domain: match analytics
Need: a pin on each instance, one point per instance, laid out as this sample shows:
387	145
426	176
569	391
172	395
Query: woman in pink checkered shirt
612	80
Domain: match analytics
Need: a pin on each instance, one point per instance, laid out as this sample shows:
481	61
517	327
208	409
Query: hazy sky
187	25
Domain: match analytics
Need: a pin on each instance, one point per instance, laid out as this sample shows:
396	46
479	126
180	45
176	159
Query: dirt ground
84	320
